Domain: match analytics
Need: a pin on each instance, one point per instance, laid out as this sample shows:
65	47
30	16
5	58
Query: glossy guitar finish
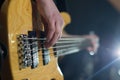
16	18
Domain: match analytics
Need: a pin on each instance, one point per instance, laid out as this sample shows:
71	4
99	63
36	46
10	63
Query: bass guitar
23	36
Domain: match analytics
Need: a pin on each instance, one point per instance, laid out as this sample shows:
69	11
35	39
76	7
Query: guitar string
60	42
61	39
65	51
62	46
72	48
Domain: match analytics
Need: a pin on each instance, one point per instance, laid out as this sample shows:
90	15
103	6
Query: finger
59	26
50	31
53	41
93	47
60	35
56	35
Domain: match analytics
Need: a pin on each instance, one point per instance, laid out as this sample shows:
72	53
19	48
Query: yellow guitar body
17	18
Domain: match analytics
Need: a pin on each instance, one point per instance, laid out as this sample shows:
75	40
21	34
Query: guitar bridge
27	51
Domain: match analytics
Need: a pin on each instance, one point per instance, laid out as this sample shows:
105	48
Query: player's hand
52	20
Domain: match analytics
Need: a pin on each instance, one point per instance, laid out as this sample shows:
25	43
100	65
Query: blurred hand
94	41
52	20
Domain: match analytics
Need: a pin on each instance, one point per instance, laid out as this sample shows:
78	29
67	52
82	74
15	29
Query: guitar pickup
34	49
46	56
45	51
